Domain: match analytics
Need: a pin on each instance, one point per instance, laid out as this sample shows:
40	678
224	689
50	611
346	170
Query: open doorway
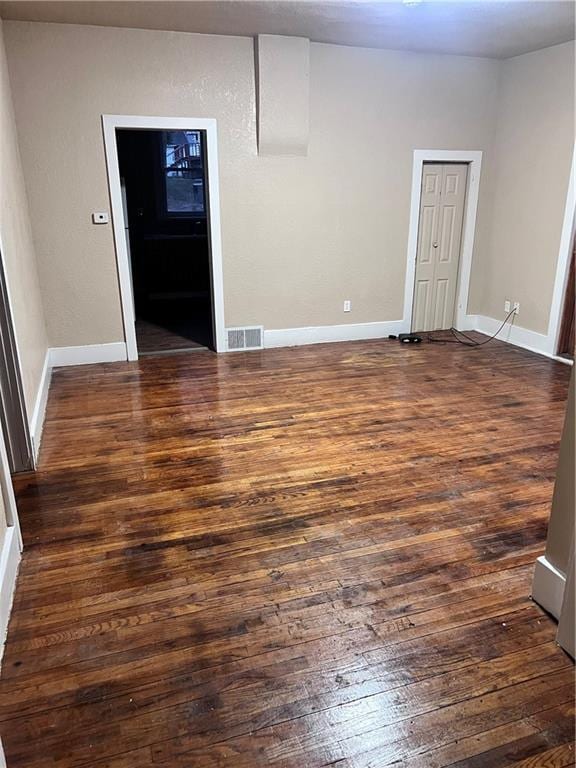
163	179
167	191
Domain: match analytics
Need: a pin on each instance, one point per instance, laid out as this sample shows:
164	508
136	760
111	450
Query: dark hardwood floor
317	556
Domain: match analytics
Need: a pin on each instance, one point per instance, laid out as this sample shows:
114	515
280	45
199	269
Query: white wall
531	166
18	248
283	88
552	570
563	513
21	276
300	234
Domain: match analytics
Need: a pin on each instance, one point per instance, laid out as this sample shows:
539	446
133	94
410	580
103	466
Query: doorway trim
32	445
109	124
563	262
474	160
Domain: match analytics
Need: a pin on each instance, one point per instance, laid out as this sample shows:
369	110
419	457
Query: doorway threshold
185	350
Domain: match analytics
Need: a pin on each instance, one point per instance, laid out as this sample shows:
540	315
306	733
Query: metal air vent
251	337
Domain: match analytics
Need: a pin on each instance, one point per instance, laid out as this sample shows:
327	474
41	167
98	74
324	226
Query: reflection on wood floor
296	558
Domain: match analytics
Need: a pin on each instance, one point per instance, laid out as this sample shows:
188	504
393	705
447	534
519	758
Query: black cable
441	341
470	342
465	335
455	340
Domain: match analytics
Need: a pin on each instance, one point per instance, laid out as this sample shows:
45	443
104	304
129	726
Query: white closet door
440	232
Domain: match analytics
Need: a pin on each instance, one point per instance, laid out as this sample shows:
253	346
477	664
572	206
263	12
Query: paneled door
442	199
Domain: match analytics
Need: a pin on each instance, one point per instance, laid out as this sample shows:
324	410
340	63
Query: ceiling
488	28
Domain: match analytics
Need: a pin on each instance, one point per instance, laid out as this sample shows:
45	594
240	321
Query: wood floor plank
292	558
557	757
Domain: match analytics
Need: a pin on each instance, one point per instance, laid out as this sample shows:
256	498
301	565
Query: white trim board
563	263
512	334
90	353
11	546
7	491
39	413
320	334
110	123
9	561
323	334
474	160
548	586
25	414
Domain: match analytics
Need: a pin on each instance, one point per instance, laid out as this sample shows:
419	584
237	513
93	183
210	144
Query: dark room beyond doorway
163	177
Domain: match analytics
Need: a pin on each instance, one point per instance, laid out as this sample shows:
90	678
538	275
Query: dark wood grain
300	557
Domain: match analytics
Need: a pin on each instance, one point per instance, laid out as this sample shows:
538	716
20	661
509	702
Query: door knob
434	245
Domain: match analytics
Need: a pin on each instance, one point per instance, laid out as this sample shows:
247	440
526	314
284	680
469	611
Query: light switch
100	217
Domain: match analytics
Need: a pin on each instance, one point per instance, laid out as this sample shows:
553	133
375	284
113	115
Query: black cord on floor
462	338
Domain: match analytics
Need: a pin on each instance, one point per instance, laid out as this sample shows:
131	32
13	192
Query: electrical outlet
507	306
347	305
516	307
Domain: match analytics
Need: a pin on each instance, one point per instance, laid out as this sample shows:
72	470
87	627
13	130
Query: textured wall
300	234
531	166
283	87
18	248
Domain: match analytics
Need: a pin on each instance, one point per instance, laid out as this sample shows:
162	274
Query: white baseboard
9	560
37	420
513	334
471	323
90	353
548	586
319	334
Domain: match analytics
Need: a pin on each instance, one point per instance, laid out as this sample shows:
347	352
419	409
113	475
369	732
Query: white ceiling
487	28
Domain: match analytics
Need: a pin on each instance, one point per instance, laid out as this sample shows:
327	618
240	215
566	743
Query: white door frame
110	123
26	417
6	487
563	263
474	160
11	548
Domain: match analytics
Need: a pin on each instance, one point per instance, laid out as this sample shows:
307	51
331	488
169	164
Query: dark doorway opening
164	188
